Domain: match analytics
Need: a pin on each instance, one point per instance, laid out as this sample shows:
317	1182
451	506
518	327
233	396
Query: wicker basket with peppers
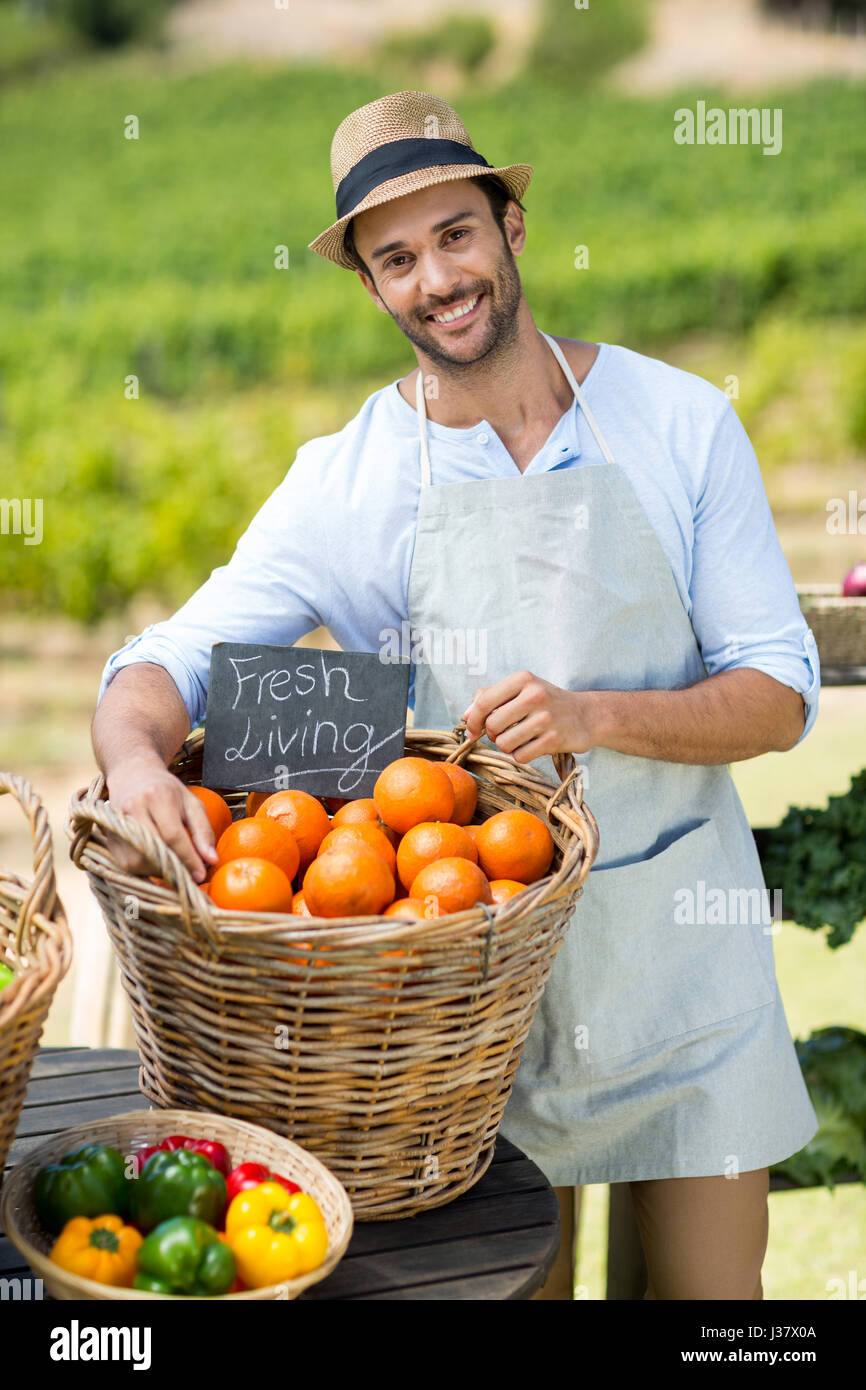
176	1218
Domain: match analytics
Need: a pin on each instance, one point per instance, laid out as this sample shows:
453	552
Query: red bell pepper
248	1175
214	1152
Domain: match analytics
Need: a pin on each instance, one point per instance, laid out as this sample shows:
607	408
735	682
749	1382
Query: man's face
438	250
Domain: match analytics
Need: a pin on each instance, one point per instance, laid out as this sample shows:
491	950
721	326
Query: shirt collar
562	446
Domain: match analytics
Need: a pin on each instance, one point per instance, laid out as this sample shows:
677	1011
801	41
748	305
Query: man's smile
456	313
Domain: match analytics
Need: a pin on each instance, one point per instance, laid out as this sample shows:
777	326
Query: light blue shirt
332	545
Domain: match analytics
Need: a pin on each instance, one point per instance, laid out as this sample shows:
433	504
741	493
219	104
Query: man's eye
458	231
394	259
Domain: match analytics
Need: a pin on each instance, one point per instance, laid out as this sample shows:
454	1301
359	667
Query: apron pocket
667	946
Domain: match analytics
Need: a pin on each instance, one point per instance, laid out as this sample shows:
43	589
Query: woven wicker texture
35	942
400	116
838	624
133	1131
386	1047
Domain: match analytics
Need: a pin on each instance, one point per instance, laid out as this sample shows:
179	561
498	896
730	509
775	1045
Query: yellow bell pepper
100	1248
275	1235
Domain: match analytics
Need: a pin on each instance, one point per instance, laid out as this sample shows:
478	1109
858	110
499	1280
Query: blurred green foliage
578	43
464	40
111	23
156	258
31	39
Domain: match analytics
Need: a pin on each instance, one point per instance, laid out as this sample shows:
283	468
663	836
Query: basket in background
35	942
838	623
386	1047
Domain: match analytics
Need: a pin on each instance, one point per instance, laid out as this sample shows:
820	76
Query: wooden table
497	1241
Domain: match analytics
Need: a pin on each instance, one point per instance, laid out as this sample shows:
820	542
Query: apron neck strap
422	429
570	378
581	399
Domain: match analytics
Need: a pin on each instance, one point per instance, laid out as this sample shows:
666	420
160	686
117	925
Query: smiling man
600	517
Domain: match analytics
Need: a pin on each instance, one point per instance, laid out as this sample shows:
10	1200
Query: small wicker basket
35	942
386	1047
838	624
132	1132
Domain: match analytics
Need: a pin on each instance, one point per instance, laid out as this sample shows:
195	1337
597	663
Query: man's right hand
145	789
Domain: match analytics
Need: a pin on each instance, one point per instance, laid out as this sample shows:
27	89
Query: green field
154	259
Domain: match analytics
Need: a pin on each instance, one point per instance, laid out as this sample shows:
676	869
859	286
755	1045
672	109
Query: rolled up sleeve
745	610
275	589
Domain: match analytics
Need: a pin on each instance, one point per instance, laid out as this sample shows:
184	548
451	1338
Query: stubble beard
503	295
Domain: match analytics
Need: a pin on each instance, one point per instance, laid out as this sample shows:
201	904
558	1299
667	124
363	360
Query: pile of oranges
410	850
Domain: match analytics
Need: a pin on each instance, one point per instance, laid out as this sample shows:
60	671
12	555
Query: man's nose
438	277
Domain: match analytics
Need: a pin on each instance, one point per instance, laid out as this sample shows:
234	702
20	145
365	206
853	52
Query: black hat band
399	157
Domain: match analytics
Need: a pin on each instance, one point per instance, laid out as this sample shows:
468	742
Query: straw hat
394	146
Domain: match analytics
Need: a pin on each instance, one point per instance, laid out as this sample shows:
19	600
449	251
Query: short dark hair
497	195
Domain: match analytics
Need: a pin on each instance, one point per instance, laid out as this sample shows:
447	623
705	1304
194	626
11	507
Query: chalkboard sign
323	721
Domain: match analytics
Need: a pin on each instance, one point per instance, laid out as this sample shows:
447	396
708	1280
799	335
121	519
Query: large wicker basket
838	624
386	1047
35	942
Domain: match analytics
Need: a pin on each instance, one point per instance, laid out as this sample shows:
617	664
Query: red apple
854	583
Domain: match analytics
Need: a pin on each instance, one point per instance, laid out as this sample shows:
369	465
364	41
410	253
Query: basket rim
17	1191
89	810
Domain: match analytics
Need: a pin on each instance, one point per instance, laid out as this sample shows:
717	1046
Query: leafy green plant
818	859
110	23
833	1062
579	44
464	40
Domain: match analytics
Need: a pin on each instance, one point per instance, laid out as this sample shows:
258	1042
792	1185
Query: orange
473	831
216	808
307	946
411	790
454	884
465	792
251	885
350	880
505	888
299	907
254	801
368	834
263	839
428	841
303	815
363	811
411	908
515	844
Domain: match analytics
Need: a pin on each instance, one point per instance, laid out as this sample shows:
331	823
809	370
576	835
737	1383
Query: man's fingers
168	823
127	858
199	828
160	811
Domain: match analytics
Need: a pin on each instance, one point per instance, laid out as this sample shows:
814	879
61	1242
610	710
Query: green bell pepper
184	1256
88	1182
177	1183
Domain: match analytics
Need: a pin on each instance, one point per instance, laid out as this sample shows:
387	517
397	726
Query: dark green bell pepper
88	1182
184	1256
178	1183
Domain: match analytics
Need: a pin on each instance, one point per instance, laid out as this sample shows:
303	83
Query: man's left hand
530	718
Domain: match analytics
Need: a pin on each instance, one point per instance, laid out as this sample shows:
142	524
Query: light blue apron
660	1047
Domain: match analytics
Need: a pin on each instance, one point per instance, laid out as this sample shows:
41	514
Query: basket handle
88	809
570	790
41	896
